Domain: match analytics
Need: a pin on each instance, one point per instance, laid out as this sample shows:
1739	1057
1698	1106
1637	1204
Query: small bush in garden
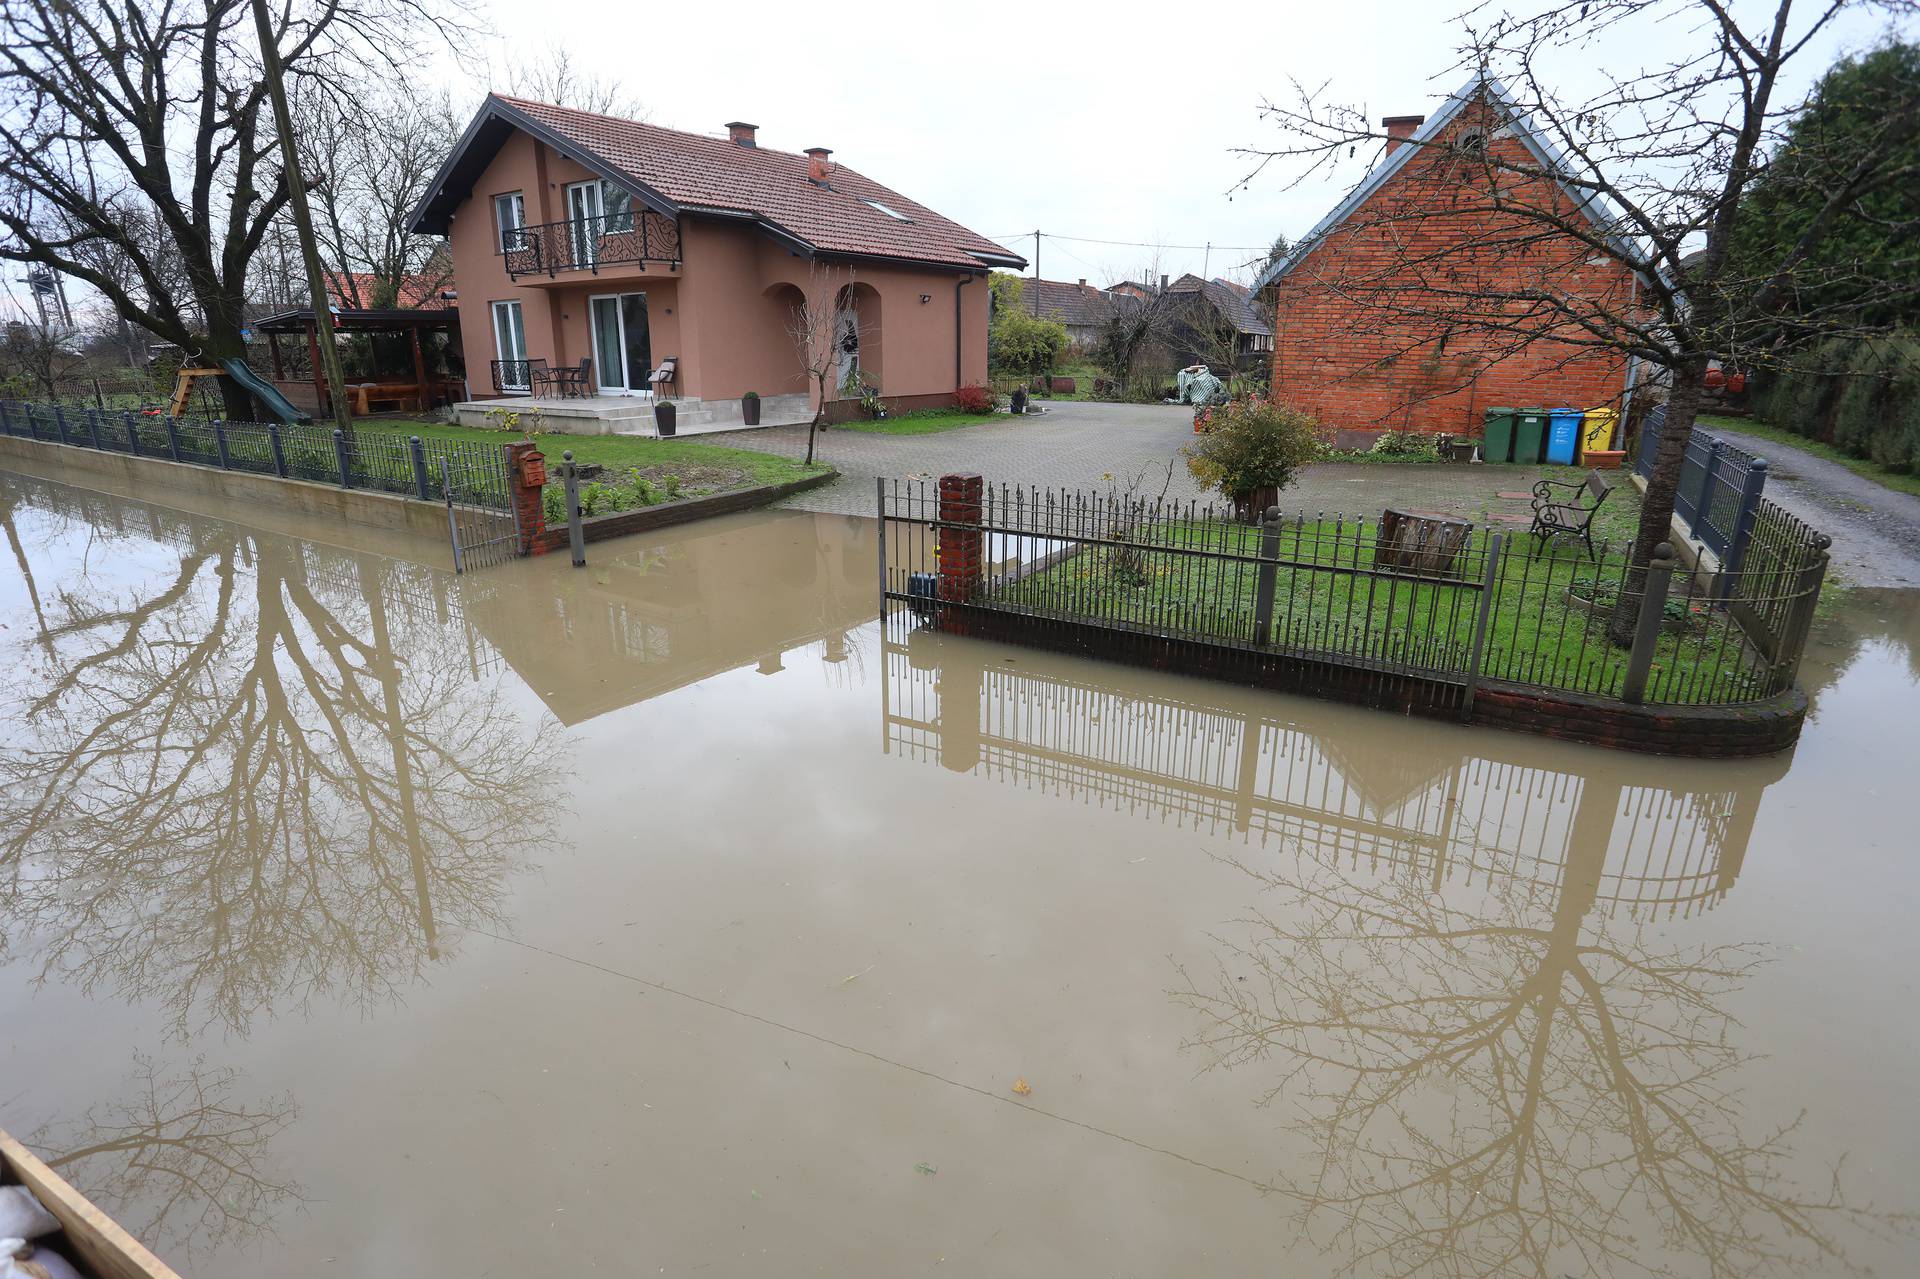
974	398
553	504
1251	449
1405	444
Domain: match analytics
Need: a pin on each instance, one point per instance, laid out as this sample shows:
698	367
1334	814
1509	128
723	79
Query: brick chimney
817	166
1399	128
740	133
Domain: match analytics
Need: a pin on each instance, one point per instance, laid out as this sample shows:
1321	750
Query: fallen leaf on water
1021	1087
925	1168
857	976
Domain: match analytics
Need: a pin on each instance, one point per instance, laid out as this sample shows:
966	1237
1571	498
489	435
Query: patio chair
572	380
667	375
1569	516
539	376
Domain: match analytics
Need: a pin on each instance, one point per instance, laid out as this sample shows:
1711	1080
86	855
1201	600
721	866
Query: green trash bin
1496	436
1529	435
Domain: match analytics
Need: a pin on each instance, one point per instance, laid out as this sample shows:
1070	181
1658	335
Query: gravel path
1075	444
1875	530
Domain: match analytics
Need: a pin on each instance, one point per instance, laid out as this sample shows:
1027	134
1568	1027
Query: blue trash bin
1563	435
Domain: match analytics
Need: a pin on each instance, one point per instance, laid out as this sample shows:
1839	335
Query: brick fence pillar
961	551
526	474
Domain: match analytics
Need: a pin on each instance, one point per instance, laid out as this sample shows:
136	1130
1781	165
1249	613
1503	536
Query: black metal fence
1720	488
628	237
1402	609
380	461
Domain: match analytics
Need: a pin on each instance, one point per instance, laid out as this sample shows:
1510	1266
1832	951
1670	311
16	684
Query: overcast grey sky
1105	122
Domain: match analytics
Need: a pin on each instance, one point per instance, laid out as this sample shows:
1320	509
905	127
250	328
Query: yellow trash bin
1596	435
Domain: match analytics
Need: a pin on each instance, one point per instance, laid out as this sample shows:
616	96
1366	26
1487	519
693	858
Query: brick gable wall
1371	333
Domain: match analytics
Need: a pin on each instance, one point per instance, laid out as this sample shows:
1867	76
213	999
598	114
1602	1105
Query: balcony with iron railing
629	243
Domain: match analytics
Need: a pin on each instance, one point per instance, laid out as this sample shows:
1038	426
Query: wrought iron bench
1570	515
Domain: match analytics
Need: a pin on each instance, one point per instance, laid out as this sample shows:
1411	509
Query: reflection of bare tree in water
180	1160
262	778
1517	1087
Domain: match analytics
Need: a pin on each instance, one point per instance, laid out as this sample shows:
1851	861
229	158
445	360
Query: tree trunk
1663	484
222	341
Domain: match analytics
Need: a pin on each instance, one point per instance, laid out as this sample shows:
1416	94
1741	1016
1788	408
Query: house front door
846	339
622	347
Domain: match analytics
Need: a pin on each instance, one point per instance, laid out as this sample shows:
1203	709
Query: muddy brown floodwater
672	914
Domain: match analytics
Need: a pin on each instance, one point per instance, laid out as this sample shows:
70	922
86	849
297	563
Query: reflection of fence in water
1347	803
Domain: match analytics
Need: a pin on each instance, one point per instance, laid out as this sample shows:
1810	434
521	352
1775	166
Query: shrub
1252	448
974	398
1405	444
751	395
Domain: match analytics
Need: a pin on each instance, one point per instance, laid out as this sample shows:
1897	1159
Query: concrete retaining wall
264	500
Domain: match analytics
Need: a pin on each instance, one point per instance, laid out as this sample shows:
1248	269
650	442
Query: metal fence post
93	428
173	437
880	510
340	456
1646	635
60	423
132	424
1750	489
1269	570
279	449
1477	655
453	526
418	452
576	535
220	445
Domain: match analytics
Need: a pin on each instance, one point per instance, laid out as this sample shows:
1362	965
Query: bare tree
111	114
381	149
553	76
814	327
1646	174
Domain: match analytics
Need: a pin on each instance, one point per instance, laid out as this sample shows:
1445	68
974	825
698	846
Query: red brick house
1385	314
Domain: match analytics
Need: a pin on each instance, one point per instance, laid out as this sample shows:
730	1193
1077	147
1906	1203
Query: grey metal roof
1545	152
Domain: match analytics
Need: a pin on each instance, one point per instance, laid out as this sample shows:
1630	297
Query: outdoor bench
1570	515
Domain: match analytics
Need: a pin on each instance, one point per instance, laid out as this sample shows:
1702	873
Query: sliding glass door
622	347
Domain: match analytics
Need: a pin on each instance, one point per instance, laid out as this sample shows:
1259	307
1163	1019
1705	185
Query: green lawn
1535	633
626	451
921	422
1899	481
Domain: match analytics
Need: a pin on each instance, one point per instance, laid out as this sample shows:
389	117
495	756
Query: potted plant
750	408
663	417
1251	449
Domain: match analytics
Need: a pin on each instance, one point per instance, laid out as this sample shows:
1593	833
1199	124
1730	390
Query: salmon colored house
672	263
1372	323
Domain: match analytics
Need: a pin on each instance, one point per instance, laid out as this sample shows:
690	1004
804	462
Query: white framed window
510	346
510	219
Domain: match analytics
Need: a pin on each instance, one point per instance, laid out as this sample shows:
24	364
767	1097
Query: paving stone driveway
1074	444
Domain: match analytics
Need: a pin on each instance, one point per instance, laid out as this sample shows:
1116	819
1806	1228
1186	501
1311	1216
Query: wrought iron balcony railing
630	237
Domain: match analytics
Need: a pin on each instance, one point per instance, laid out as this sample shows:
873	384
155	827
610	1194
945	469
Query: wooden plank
99	1242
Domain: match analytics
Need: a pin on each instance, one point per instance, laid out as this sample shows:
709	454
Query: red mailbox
533	469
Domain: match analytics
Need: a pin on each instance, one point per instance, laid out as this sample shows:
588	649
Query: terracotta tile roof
1231	300
695	172
416	292
1073	304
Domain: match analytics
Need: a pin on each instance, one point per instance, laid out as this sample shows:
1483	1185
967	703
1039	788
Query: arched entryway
787	374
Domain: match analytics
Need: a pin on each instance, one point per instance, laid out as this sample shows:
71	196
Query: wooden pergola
398	392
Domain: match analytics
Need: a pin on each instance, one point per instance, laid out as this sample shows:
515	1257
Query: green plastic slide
264	391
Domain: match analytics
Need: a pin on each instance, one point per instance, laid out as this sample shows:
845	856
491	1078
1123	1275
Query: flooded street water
673	914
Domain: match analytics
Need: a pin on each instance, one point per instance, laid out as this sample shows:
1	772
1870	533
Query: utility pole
302	219
1036	275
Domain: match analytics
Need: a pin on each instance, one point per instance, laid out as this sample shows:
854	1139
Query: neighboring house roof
673	172
1075	305
1227	298
1543	149
416	292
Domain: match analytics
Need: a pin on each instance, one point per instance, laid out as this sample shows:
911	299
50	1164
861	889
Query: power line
1137	244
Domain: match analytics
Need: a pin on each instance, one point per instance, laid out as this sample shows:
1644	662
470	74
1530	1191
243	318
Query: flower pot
1249	507
750	410
663	417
